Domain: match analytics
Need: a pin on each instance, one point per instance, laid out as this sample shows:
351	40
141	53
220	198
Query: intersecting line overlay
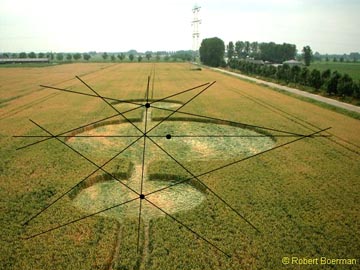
144	134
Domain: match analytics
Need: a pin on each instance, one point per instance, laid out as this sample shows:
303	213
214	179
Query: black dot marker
168	136
142	196
147	105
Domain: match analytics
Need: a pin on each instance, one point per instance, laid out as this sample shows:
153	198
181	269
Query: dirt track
295	91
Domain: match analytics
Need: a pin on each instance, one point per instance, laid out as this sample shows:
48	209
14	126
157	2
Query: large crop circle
186	140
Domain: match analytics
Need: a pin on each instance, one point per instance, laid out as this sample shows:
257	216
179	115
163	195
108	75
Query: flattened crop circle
186	139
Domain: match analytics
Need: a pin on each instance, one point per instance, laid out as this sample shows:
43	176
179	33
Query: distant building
292	63
276	65
23	60
258	62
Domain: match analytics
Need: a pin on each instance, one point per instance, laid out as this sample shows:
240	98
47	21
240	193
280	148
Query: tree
345	86
239	47
315	79
183	55
287	51
23	55
325	77
41	55
230	50
333	83
270	71
121	56
69	56
254	46
356	89
284	73
158	56
140	58
105	55
247	48
355	56
304	76
112	57
59	56
77	56
131	57
295	74
276	53
86	56
307	54
326	74
148	55
32	55
212	51
50	55
317	56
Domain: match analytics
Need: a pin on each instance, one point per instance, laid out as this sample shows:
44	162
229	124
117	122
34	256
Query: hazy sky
328	26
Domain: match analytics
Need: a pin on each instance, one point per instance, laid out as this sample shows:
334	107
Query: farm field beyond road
225	175
353	69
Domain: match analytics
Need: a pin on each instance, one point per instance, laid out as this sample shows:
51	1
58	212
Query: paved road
295	91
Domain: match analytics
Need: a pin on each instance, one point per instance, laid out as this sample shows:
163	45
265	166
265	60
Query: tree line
332	82
212	51
352	57
266	51
49	55
131	56
243	55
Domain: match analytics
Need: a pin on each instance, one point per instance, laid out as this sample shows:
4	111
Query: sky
327	26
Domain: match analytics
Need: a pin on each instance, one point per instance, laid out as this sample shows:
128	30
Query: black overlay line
90	95
177	94
74	129
237	161
207	187
228	121
79	219
143	162
187	102
107	102
188	228
111	175
84	179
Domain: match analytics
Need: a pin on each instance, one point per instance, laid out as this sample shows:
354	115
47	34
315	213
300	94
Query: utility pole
196	34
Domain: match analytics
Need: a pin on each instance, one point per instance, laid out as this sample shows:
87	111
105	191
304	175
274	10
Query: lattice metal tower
195	23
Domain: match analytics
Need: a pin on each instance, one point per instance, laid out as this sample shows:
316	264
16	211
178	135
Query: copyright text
318	261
